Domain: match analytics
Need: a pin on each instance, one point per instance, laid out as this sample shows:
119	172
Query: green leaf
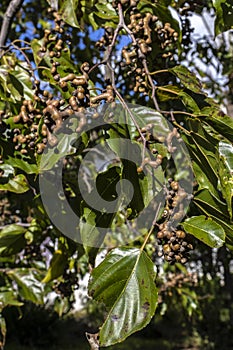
202	178
222	124
211	204
8	298
61	306
189	102
227	226
7	170
92	219
67	9
21	80
40	58
12	239
168	92
226	173
105	10
18	184
28	281
22	164
224	13
187	78
206	230
63	148
124	282
203	152
57	266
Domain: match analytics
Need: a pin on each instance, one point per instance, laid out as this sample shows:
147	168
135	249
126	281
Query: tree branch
12	9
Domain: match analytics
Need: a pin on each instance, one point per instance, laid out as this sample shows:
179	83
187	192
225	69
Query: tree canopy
116	137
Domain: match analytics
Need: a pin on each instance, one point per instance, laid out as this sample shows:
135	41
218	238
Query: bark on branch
12	9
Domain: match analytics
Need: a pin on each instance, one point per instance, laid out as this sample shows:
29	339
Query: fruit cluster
106	39
69	283
177	280
175	246
152	40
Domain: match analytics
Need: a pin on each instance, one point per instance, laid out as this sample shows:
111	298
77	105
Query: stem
152	228
107	55
183	112
168	90
12	9
124	104
159	71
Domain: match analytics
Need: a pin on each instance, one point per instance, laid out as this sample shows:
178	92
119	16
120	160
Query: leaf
18	184
57	266
228	228
206	230
63	148
105	10
226	173
67	9
204	154
222	124
187	78
124	282
61	306
189	102
224	13
104	205
8	298
202	178
12	239
7	170
21	80
211	204
22	164
28	281
145	116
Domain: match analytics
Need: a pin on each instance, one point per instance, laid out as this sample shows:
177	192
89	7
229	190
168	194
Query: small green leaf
187	78
57	266
63	148
105	10
28	281
206	230
7	170
8	298
12	239
22	164
211	204
226	173
124	282
18	184
222	124
224	13
67	9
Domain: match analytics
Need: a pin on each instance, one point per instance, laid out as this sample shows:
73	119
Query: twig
12	9
151	84
93	340
109	50
107	55
124	104
152	227
140	55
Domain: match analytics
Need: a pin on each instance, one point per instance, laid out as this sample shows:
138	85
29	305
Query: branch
12	9
93	340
